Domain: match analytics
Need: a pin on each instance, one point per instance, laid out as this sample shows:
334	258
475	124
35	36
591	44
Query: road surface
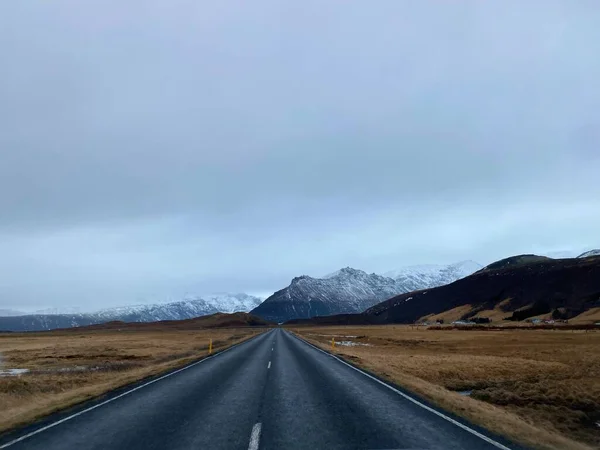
272	392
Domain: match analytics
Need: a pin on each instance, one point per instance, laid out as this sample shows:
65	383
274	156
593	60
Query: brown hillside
218	320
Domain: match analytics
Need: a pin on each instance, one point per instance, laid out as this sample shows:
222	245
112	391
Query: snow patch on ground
13	372
332	335
77	369
352	344
18	372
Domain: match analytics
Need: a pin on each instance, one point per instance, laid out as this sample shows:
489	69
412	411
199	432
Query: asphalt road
272	392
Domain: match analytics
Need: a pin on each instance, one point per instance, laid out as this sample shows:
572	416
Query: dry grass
538	387
70	367
449	316
591	315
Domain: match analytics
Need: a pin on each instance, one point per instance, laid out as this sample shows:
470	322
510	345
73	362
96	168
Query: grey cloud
148	149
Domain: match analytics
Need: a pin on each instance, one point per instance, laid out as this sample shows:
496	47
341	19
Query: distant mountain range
345	291
351	291
402	295
186	309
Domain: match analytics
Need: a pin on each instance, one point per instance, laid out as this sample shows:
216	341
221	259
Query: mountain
350	290
589	254
413	278
232	303
514	288
347	290
186	309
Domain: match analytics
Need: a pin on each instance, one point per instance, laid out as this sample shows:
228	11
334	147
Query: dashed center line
255	437
269	366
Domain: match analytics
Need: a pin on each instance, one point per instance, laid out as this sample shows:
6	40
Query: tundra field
537	387
44	372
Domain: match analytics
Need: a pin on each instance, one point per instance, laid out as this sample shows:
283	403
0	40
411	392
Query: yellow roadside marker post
210	346
332	342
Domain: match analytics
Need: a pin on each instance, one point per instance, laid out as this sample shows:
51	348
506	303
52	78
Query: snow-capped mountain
345	291
185	309
413	278
231	303
350	291
590	253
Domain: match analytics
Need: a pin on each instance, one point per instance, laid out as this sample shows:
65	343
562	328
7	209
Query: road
272	392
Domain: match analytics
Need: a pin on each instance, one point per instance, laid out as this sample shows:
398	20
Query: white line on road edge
269	366
409	398
91	408
255	437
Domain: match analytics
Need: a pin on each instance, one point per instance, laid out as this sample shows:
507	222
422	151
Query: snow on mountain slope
231	303
413	278
590	253
185	309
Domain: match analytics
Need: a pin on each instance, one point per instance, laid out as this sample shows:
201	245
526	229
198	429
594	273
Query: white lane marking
269	366
409	398
255	437
52	425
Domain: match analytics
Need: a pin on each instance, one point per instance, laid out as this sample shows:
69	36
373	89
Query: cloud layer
153	149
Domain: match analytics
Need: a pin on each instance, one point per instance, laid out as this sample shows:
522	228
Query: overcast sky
153	149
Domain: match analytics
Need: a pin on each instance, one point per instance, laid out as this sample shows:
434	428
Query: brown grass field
71	366
537	387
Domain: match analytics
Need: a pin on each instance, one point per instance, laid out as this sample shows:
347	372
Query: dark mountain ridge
563	287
